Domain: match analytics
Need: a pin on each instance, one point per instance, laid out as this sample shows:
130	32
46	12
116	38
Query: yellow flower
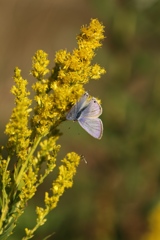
17	129
66	84
33	141
64	180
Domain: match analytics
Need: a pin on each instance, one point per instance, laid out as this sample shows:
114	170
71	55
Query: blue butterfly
86	111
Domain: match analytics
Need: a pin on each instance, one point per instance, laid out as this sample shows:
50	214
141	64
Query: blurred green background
115	191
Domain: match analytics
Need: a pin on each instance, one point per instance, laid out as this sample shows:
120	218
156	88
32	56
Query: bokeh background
117	191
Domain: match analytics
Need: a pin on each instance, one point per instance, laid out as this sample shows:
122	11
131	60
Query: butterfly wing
72	114
83	101
93	126
92	110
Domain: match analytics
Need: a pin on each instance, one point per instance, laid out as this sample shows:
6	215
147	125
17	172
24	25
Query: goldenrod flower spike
74	70
33	140
64	180
17	129
39	65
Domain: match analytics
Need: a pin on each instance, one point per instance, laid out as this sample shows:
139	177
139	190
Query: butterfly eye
86	94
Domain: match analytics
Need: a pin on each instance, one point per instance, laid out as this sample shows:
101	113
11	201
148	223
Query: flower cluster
56	94
32	140
17	129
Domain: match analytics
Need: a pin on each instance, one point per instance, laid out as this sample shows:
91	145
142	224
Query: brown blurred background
114	192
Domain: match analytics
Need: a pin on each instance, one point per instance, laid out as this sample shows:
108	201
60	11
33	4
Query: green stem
7	198
18	178
39	223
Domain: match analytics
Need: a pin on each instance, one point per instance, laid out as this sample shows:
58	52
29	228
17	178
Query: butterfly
86	111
